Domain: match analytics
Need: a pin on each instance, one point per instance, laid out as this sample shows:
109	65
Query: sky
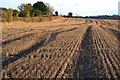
77	7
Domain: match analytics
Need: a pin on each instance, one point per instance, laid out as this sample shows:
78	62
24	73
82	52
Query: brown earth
66	48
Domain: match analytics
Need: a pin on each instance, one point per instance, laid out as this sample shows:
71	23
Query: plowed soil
66	48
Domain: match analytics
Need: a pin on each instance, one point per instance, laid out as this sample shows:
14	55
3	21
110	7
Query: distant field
63	48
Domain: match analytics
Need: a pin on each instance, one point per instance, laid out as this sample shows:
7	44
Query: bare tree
50	8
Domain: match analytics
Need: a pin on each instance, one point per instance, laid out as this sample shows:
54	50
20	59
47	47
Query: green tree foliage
3	8
37	9
56	13
70	14
25	10
35	12
32	13
7	14
41	7
2	12
15	13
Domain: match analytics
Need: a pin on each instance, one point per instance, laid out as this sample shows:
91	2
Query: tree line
28	10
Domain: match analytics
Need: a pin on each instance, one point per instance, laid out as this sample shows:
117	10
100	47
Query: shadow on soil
54	35
6	42
24	53
85	66
116	33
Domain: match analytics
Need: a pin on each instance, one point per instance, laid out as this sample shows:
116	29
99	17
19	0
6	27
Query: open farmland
65	48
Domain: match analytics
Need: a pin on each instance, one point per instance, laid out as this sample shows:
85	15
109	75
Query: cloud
81	7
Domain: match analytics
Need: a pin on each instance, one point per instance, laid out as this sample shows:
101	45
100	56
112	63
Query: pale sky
78	7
